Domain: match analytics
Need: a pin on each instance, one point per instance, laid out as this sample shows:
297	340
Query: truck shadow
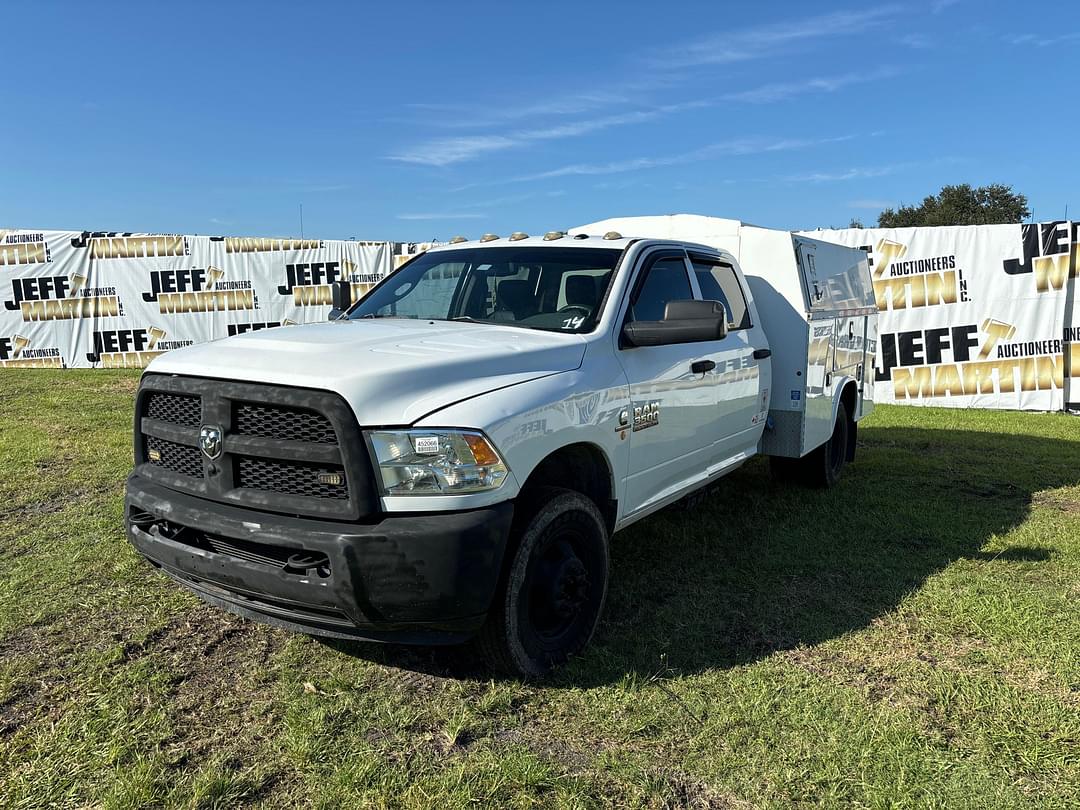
757	567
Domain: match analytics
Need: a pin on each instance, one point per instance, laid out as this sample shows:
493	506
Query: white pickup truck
448	457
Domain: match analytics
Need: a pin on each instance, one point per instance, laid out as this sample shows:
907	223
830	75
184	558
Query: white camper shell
816	302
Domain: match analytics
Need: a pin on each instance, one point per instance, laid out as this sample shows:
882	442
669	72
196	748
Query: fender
529	421
839	392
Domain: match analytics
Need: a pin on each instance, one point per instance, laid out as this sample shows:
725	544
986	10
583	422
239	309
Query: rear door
742	374
671	422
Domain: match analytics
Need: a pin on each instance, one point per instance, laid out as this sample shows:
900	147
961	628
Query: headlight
436	462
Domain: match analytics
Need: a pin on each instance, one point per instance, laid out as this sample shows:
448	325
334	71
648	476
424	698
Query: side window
719	283
666	280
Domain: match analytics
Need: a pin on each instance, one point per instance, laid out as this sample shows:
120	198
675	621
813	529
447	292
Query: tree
961	205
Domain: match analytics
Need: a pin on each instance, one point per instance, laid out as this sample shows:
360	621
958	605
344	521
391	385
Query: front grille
179	409
177	458
291	478
292	450
276	422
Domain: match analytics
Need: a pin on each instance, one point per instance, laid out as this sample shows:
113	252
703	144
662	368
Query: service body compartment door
818	419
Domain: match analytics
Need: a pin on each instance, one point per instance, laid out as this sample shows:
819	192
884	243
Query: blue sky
410	121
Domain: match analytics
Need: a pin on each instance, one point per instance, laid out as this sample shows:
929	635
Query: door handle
701	366
761	354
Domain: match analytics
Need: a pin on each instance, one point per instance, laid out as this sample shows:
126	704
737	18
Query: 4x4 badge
210	441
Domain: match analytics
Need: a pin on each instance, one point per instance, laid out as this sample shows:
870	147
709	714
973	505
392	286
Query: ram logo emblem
210	441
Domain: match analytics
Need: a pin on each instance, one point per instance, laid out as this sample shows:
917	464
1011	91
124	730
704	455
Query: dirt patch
220	687
126	384
1058	501
993	489
45	653
887	673
683	791
55	469
220	680
671	787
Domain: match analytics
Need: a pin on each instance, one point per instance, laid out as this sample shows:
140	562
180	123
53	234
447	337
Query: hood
391	371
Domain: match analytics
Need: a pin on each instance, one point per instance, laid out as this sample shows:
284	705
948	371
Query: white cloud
446	151
768	93
744	146
1041	42
444	215
849	174
755	43
917	41
939	6
751	43
511	199
495	113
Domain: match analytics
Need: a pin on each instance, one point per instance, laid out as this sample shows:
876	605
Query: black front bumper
416	578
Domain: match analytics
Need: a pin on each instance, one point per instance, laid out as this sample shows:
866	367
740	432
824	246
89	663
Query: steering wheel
573	308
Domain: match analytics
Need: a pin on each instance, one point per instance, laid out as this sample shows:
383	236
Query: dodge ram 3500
448	457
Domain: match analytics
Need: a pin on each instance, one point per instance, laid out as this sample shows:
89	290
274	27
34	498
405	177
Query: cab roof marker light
612	235
489	237
517	236
551	236
457	240
581	236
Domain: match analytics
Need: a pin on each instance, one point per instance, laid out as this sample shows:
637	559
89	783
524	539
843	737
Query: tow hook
306	561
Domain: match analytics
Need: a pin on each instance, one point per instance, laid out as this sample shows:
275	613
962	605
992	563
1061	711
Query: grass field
911	637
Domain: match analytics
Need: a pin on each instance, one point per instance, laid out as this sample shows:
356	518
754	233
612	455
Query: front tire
554	589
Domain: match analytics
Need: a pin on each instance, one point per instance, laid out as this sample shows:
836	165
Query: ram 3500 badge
447	458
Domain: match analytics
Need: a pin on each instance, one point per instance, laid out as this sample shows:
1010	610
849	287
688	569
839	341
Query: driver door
673	401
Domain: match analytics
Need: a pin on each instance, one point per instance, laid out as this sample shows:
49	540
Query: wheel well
849	396
583	468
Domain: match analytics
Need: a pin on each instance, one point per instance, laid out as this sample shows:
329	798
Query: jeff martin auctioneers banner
979	316
974	316
75	299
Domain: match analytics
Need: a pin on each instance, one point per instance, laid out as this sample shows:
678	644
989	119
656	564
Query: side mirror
340	298
683	322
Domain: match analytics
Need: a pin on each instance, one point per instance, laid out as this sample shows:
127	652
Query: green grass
910	638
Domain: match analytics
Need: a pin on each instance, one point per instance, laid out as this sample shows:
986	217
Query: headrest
512	294
581	291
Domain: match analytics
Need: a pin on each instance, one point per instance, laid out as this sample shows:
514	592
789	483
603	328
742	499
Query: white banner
977	316
78	299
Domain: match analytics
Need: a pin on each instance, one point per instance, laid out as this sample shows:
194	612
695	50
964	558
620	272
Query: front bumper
416	578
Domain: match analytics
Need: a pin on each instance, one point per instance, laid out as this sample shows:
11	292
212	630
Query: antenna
301	220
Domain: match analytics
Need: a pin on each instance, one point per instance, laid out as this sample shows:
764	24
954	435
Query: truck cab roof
577	239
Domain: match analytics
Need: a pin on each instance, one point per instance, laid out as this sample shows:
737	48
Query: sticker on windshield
574	322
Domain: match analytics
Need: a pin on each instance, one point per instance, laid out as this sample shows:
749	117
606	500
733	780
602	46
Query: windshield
556	289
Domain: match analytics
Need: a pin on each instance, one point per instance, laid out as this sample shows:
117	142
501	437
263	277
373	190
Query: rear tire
555	586
822	466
